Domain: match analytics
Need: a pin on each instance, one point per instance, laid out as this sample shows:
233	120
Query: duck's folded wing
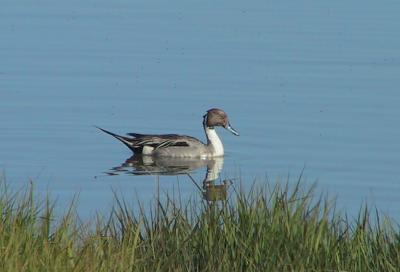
156	141
161	141
138	141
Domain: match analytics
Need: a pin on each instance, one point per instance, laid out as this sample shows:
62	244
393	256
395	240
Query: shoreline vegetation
278	228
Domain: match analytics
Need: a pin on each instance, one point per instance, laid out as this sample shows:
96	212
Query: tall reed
278	228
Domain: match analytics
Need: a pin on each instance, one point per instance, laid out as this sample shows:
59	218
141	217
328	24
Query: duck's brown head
217	117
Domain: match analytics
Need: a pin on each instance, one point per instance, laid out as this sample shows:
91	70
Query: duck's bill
231	129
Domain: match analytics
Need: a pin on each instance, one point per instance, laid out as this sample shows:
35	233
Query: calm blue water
313	83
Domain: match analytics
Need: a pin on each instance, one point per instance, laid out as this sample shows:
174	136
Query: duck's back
168	145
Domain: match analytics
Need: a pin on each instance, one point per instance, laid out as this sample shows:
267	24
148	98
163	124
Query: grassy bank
273	229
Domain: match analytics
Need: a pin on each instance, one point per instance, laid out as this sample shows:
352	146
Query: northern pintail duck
174	145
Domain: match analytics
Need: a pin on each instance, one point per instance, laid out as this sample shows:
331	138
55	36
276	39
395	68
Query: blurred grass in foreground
269	229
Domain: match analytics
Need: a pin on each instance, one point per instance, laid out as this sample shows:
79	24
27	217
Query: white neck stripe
214	141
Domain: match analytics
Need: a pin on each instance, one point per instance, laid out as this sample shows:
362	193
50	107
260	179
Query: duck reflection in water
149	165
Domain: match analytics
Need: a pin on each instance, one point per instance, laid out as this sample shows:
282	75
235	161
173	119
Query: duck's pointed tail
125	140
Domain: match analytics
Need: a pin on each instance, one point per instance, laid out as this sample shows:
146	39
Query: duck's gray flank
175	145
